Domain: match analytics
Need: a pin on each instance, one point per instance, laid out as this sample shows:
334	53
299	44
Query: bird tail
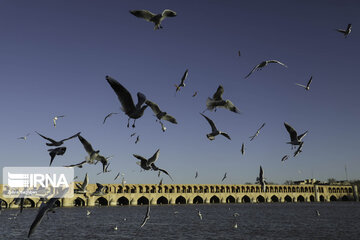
209	104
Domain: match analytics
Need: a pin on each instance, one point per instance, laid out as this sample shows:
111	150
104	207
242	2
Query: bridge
139	194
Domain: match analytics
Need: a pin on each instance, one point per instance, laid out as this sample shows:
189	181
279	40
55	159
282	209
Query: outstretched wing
170	118
225	135
219	92
71	137
154	157
141	99
253	70
261	126
88	148
230	106
108	116
300	85
168	13
76	165
308	84
154	107
302	135
184	77
212	124
276	61
145	14
49	139
341	30
123	95
291	131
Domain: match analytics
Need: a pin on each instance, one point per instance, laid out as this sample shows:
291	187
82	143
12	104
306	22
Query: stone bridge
138	194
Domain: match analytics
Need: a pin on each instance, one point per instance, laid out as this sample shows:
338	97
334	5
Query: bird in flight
223	177
109	115
195	93
56	118
294	138
81	188
137	139
199	214
196	174
345	32
147	216
298	150
117	176
56	151
263	64
261	179
242	149
159	114
284	158
257	132
127	102
24	137
155	18
307	87
239	53
100	191
182	83
163	128
217	101
214	131
57	143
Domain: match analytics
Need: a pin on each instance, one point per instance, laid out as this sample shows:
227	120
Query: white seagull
160	115
56	118
263	64
147	216
294	138
24	137
182	83
214	131
155	18
307	87
257	132
217	101
345	32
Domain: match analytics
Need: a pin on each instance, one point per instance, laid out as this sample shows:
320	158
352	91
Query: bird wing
170	118
276	61
341	30
261	126
168	13
49	139
147	216
145	14
219	92
141	99
88	148
154	157
230	106
117	176
99	187
225	135
253	70
103	160
308	84
123	95
86	181
162	170
291	131
300	85
261	174
224	177
184	77
52	154
76	165
75	135
302	135
212	124
154	107
108	116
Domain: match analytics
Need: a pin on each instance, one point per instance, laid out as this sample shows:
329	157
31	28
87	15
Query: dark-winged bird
299	149
182	83
56	151
155	18
257	132
160	115
147	216
307	87
217	101
214	130
100	191
261	179
263	64
347	31
223	177
294	138
127	102
81	188
57	143
109	115
93	155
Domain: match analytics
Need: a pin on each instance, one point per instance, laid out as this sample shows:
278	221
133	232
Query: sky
55	56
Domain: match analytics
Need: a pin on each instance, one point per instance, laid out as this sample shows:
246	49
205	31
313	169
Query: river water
339	220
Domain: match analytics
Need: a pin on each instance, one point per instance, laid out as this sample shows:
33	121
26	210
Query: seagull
147	216
126	100
257	132
239	53
235	226
261	179
56	151
182	84
155	18
133	134
195	93
161	182
196	174
199	213
159	114
217	101
117	176
79	165
57	143
81	188
123	182
56	118
263	64
284	158
137	139
148	164
223	177
76	177
298	150
295	139
242	149
24	137
163	128
109	115
115	228
88	213
214	131
99	191
44	208
345	32
236	214
307	87
317	212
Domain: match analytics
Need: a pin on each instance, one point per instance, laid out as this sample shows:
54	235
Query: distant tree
248	183
331	180
288	182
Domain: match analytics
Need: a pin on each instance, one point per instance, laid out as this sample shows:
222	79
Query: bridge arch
287	198
332	198
29	203
322	198
312	198
3	203
344	198
122	201
162	200
245	199
230	199
274	198
214	199
142	201
180	200
79	202
260	199
198	200
300	198
57	203
101	201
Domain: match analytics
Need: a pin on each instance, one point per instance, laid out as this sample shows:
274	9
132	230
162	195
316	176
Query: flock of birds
136	111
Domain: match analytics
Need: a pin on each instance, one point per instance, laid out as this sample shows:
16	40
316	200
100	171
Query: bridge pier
153	201
317	197
356	194
112	202
190	201
268	200
238	200
133	202
91	202
223	200
67	202
207	200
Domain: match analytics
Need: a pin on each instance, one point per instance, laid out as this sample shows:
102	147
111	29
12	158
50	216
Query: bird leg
134	123
128	122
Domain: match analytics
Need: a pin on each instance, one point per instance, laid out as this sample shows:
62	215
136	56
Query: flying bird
307	87
196	174
195	93
56	118
223	177
155	18
214	131
56	151
147	216
137	139
81	188
117	176
261	179
163	128
57	143
161	182
345	32
133	134
242	149
100	191
109	115
284	158
217	101
199	214
79	165
257	132
263	64
298	150
239	53
182	83
294	138
160	115
149	164
127	103
24	137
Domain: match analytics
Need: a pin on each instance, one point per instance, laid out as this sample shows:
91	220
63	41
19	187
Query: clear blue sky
55	55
